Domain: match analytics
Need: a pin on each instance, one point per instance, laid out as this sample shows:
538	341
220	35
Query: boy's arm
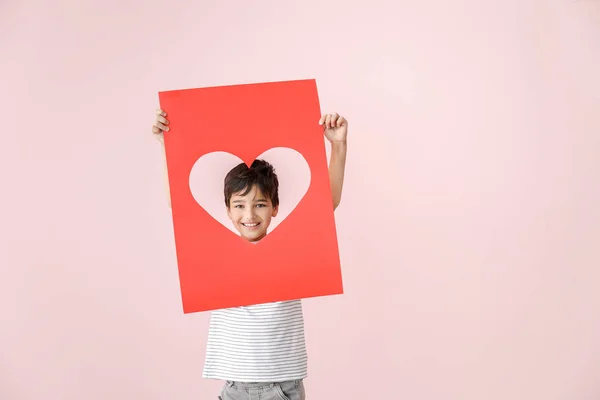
167	188
337	166
158	129
336	131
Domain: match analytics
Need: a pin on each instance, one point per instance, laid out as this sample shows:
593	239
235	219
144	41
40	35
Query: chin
254	236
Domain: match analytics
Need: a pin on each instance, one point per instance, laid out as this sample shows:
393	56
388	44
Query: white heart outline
206	186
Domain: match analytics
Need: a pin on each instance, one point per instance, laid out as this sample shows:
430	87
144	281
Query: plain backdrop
469	227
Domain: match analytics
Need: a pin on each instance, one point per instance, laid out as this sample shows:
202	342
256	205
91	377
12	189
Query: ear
275	211
228	211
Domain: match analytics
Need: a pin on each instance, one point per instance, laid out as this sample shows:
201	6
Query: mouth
250	224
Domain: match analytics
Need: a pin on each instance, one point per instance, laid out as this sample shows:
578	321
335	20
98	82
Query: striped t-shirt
259	343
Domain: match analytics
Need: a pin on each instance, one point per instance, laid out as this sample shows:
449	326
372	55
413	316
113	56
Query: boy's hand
160	125
336	127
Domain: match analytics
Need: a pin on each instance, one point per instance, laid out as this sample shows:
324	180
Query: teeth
250	225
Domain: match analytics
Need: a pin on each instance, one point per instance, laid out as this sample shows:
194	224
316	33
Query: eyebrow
257	201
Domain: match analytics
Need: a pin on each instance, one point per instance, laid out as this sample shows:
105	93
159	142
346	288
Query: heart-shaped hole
209	171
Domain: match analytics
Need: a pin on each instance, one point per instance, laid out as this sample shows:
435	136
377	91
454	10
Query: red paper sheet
217	268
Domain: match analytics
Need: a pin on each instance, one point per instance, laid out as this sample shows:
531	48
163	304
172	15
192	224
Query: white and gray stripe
259	343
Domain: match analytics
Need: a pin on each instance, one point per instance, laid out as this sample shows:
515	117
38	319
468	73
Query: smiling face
251	213
251	198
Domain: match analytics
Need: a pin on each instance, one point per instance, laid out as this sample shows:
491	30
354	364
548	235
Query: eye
261	205
238	206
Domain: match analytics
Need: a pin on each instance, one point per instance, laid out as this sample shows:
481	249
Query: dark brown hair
241	179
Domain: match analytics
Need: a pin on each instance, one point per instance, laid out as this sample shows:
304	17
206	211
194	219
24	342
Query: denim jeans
291	390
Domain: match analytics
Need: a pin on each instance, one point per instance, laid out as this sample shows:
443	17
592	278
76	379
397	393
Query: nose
249	212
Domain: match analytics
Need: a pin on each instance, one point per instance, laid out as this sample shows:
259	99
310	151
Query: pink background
469	229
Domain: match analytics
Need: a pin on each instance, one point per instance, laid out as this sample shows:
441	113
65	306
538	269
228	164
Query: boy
259	350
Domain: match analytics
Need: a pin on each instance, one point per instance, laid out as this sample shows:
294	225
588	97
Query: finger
163	120
341	121
162	126
328	121
156	129
161	112
322	120
334	118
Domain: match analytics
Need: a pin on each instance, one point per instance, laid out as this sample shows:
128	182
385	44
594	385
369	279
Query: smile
251	225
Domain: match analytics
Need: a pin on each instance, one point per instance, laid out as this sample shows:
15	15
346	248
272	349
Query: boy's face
251	214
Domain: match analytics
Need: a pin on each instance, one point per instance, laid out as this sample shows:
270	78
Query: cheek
233	214
266	214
